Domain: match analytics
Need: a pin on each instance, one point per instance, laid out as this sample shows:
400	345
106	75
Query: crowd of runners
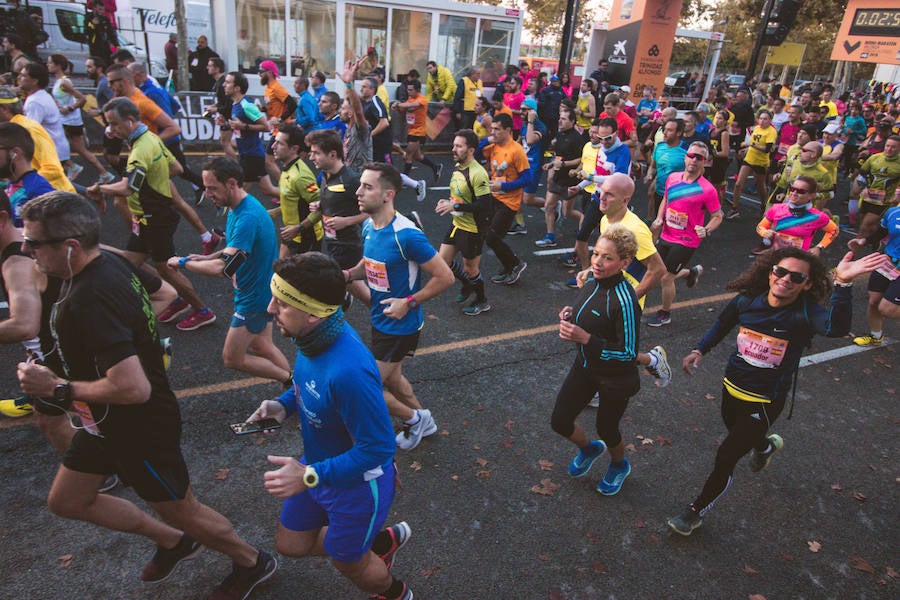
88	315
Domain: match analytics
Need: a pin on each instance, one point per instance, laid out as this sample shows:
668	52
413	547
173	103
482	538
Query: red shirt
623	122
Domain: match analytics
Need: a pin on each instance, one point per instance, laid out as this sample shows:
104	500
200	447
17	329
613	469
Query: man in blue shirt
395	252
338	494
247	122
307	105
251	246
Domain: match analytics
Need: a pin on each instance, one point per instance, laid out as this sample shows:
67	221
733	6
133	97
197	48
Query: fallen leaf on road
481	462
756	597
836	487
640	524
709	397
545	465
631	448
543	557
433	317
653	537
483	474
519	452
860	564
260	440
221	474
454	477
65	560
545	488
426	573
646	441
508	425
663	441
750	570
599	569
506	443
860	496
444	432
415	465
814	546
593	537
890	572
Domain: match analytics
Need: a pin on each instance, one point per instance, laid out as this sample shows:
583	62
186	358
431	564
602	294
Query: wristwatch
411	303
62	393
310	477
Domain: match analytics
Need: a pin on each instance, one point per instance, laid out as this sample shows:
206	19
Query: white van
64	24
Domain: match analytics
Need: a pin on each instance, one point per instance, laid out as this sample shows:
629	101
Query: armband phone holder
233	262
136	179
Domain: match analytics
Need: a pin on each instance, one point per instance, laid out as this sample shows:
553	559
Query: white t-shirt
41	107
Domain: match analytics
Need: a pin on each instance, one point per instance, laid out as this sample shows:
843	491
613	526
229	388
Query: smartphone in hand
255	426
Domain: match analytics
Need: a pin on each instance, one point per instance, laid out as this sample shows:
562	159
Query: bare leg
267	362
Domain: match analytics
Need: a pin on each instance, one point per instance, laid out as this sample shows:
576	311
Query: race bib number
758	350
890	272
410	118
87	419
875	196
676	220
135	227
783	240
376	275
330	233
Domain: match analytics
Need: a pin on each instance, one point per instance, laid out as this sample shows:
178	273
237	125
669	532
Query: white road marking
821	357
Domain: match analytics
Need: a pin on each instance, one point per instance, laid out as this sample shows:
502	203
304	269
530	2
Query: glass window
494	45
260	33
312	30
366	26
456	40
410	40
71	25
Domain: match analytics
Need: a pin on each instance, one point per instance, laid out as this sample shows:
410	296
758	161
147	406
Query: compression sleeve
523	180
831	232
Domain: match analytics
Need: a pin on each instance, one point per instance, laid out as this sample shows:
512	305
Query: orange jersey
148	109
507	162
275	95
415	117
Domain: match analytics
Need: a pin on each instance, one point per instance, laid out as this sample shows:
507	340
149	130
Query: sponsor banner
870	32
788	54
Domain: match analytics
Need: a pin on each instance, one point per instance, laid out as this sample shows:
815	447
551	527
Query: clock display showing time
876	22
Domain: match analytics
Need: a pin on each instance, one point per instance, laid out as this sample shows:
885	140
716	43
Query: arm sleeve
834	321
373	438
831	232
520	161
725	322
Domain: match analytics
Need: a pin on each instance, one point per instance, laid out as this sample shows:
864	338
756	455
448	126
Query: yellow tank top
583	105
479	129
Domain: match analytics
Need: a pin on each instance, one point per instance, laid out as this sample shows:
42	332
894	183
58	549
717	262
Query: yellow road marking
239	384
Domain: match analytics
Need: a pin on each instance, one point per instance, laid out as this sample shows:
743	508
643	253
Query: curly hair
623	239
755	280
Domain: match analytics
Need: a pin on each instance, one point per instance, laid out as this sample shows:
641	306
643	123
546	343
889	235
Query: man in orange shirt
275	96
416	109
510	172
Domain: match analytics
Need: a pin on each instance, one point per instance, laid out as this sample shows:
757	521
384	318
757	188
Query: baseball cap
553	78
530	103
832	128
626	89
370	49
268	65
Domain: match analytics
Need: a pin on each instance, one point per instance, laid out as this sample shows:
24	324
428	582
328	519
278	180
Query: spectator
171	51
468	90
99	32
549	100
317	82
198	61
566	81
368	64
307	107
439	85
601	76
12	45
624	93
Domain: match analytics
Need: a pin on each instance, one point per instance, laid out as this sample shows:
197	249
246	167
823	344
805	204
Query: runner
251	247
604	323
395	252
470	204
680	227
759	145
567	147
779	310
107	369
668	158
299	191
882	174
247	122
339	492
416	110
884	283
794	222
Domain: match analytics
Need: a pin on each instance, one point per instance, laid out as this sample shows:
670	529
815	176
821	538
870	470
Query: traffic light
781	20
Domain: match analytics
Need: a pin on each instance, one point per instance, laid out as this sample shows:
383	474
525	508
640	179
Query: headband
291	296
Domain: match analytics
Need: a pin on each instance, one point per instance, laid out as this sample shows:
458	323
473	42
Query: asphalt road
820	522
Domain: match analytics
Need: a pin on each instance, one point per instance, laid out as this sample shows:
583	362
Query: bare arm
22	282
123	383
166	127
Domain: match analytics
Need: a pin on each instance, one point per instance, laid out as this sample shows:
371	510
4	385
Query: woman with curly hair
778	309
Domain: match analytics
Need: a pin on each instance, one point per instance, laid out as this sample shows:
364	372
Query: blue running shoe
614	478
583	461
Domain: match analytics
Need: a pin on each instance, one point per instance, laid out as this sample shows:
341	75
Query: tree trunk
181	74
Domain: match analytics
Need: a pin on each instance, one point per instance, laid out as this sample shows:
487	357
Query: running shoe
868	340
662	318
411	435
438	172
761	460
732	213
548	241
164	561
585	458
572	283
106	178
517	229
569	260
614	478
213	243
177	308
197	319
108	484
595	400
414	217
74	171
420	190
464	293
405	595
240	583
476	308
399	534
516	272
694	276
686	522
500	277
662	371
16	407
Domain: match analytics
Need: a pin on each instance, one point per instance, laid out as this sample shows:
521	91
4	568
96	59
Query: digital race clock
876	22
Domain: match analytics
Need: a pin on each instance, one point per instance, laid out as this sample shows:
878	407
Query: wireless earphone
68	252
14	156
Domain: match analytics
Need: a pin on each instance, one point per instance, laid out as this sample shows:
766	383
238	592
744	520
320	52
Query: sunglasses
607	138
797	190
695	156
796	277
35	244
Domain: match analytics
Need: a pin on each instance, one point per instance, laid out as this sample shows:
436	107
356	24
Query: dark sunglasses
695	156
35	244
796	277
797	190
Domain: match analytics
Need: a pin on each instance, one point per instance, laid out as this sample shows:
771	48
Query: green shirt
149	154
461	193
298	189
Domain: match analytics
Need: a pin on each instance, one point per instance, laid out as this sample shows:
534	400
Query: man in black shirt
215	68
338	207
377	117
198	61
106	369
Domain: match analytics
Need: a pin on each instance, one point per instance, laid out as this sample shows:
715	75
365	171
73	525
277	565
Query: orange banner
870	32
